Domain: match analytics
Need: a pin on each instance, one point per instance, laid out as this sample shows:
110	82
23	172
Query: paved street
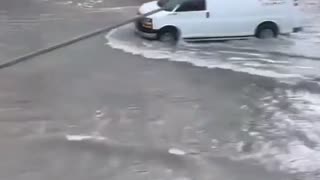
100	110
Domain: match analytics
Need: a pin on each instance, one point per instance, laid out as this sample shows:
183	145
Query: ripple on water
271	59
286	138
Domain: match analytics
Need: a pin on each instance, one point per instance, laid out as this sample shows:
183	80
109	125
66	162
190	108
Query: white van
194	20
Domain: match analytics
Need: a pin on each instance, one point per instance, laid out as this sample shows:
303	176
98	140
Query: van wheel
168	35
267	31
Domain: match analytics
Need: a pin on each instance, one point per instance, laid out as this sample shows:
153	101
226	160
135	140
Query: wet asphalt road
91	112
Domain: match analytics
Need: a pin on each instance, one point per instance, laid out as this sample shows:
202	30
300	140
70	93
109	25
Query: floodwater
120	107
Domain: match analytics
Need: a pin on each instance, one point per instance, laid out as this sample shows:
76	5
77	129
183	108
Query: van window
169	5
192	5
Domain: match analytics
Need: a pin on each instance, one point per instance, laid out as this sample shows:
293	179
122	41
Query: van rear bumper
297	29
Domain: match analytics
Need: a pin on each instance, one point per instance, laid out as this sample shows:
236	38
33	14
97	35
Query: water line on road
33	54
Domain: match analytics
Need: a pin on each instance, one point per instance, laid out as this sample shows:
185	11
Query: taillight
296	2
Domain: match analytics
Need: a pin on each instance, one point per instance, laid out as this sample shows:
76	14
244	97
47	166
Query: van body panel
181	21
148	7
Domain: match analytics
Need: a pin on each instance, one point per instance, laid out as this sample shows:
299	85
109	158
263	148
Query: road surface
119	107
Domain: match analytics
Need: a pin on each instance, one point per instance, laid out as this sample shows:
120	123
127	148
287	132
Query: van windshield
169	5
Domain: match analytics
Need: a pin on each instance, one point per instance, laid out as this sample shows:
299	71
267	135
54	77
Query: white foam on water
176	152
89	3
237	58
244	53
295	146
253	64
216	55
297	158
83	137
308	120
116	39
270	60
65	2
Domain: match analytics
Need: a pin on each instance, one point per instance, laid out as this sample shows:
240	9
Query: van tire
267	30
168	35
